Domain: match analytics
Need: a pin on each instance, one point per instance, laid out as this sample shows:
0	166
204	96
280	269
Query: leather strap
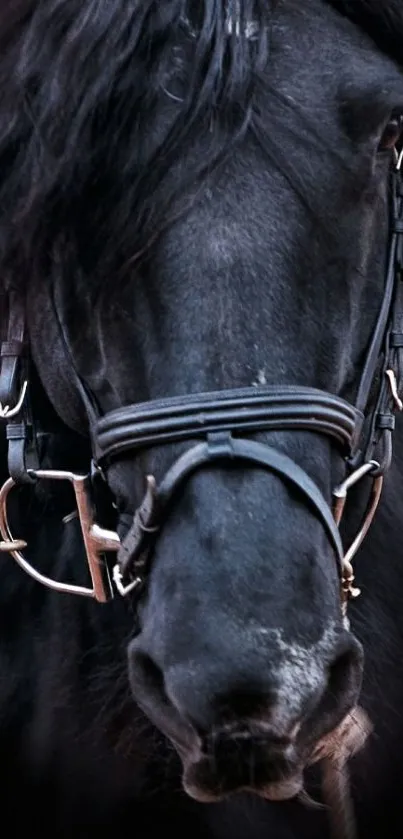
11	350
242	410
384	316
221	447
22	451
385	341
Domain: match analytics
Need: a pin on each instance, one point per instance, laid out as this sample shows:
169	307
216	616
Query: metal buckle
340	495
118	580
96	540
6	412
398	159
393	387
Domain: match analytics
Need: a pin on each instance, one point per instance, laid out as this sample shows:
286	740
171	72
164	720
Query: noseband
220	423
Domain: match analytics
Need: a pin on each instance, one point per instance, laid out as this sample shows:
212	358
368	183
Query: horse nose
280	696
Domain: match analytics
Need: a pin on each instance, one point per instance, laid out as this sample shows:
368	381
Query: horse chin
202	782
283	790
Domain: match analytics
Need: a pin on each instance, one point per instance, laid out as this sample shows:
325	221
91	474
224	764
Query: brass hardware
393	387
348	590
8	413
14	545
96	539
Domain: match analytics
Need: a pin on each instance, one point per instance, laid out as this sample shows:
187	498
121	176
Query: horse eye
392	132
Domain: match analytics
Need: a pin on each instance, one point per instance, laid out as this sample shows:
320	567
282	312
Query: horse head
203	194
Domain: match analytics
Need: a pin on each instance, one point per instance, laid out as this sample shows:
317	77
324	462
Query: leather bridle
220	423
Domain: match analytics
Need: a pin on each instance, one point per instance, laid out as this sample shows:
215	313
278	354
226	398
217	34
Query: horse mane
83	161
86	167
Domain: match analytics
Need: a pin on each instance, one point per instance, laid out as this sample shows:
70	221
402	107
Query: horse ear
382	19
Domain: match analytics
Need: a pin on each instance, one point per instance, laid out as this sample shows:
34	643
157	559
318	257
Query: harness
220	423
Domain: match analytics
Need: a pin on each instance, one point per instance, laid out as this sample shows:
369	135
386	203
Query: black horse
195	198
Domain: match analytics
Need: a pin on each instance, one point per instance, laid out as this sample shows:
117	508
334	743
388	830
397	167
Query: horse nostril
344	680
151	675
337	673
149	691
